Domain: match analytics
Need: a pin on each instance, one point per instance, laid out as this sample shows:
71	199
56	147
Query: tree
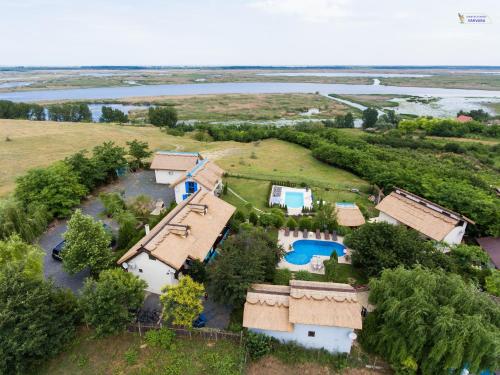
253	218
370	116
87	245
16	253
88	174
470	260
108	304
110	114
108	158
182	302
492	283
197	271
305	223
325	217
56	187
348	120
250	256
113	203
37	322
73	112
434	320
163	116
376	246
138	150
127	231
291	223
28	222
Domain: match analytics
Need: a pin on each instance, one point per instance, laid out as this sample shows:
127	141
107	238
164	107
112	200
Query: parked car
200	322
59	248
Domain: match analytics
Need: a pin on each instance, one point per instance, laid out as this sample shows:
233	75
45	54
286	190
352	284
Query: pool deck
287	241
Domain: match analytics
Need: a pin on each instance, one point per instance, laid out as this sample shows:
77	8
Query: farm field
37	144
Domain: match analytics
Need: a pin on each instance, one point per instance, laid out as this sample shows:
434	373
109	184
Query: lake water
349	74
238	88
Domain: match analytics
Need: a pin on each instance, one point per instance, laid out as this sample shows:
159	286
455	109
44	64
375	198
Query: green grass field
128	353
37	144
375	100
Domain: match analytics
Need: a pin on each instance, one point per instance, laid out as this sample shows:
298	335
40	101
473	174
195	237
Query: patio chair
287	232
334	235
296	232
318	234
327	235
305	233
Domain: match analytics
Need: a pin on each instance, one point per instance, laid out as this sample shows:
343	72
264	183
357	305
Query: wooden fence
211	334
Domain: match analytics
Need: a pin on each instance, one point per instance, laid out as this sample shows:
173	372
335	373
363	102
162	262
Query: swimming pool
294	199
304	250
345	204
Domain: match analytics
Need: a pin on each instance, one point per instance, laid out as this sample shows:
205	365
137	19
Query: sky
247	32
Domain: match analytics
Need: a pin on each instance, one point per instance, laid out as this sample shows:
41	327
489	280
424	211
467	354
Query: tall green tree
14	252
27	222
370	116
109	303
182	302
250	256
108	158
432	321
37	320
377	246
139	150
110	114
87	245
56	187
163	116
86	168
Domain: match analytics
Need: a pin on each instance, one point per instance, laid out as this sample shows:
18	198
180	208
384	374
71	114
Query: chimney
146	227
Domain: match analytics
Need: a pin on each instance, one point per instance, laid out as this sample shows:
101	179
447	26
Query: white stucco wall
179	190
167	177
333	339
156	273
456	234
387	218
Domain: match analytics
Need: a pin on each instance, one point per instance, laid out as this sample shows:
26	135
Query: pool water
294	199
304	250
345	204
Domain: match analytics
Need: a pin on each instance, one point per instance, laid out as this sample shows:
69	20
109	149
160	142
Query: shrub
240	217
253	218
304	275
258	345
162	338
305	223
197	270
113	203
330	267
291	223
282	276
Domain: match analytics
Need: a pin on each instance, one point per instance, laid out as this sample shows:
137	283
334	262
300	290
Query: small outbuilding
428	218
170	165
464	118
492	246
313	314
349	214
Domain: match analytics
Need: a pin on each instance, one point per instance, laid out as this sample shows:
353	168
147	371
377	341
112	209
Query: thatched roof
266	307
175	161
277	308
349	216
206	173
188	231
420	214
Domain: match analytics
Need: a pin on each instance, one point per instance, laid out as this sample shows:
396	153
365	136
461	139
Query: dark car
200	322
58	249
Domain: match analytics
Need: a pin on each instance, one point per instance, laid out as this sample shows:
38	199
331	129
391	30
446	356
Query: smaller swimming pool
304	250
345	204
294	199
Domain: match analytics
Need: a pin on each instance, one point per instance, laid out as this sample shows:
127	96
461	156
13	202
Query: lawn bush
258	345
282	276
162	338
304	275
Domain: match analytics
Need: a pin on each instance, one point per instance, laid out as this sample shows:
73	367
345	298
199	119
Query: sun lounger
327	235
318	234
305	233
295	232
287	232
334	236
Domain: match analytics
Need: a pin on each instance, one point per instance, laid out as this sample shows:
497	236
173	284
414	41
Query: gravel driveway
132	185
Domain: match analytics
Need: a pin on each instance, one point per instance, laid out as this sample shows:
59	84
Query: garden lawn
122	354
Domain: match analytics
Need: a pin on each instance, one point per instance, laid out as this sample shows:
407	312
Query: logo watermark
473	18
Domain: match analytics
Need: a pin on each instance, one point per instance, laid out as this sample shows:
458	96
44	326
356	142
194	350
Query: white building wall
179	190
333	339
156	273
456	234
383	217
166	176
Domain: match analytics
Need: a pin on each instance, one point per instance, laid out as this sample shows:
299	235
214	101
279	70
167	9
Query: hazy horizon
246	32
